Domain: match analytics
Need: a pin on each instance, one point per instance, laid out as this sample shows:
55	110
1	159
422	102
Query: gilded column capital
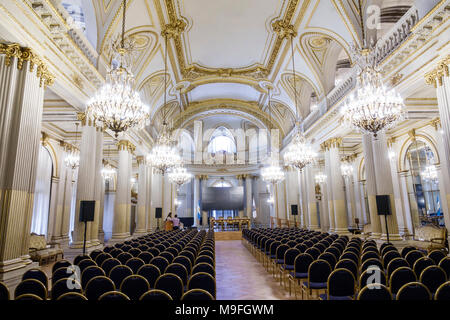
283	29
412	133
390	142
240	177
126	145
435	76
22	54
331	143
140	159
201	176
436	123
81	116
350	158
44	138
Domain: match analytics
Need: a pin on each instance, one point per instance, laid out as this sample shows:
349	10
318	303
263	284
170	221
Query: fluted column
142	197
130	173
385	186
248	195
197	205
337	185
350	196
440	78
22	79
149	220
99	189
67	204
122	202
304	199
86	180
205	221
311	194
329	190
359	206
240	178
371	186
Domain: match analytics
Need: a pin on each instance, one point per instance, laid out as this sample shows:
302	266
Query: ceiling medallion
117	104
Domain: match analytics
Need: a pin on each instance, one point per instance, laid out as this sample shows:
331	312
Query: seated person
176	222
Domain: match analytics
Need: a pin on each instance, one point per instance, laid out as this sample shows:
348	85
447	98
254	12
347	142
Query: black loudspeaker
87	209
158	213
384	205
294	209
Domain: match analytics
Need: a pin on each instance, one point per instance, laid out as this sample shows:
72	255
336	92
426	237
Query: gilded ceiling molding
331	143
350	158
249	108
435	77
436	123
22	54
282	27
390	142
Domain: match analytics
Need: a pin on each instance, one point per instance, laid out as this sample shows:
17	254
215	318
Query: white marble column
21	103
440	78
150	217
142	197
240	178
99	189
385	186
196	200
86	180
248	195
359	206
122	198
351	204
329	190
311	194
371	186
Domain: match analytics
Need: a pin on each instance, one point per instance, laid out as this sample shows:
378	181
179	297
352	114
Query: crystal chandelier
346	169
72	159
299	153
179	176
430	173
272	173
320	178
373	107
164	156
117	104
108	172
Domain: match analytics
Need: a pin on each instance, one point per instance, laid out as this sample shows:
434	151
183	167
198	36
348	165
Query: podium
168	225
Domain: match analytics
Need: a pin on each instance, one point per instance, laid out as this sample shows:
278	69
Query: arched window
222	140
423	188
41	206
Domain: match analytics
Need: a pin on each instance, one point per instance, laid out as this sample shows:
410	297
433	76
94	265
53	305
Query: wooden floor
240	277
228	235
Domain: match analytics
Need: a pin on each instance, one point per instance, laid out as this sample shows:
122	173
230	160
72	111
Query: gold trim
22	54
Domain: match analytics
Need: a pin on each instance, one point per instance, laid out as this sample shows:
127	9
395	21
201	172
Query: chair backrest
374	292
350	255
437	256
149	272
28	297
395	264
160	262
179	270
4	292
59	264
206	259
170	283
145	256
124	257
63	286
314	252
115	252
156	294
433	277
135	264
134	286
372	275
118	273
349	265
31	286
72	296
421	264
97	286
203	280
101	257
113	296
407	250
290	255
302	263
415	291
341	283
369	255
389	256
85	264
134	252
89	273
388	249
445	264
400	277
185	261
329	257
281	250
204	267
166	254
443	292
36	274
413	256
80	258
110	263
302	247
197	295
318	271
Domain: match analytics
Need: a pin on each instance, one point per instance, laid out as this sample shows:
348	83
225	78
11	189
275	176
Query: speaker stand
157	225
387	229
295	223
84	238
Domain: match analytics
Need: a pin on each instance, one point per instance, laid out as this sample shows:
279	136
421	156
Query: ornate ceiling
223	50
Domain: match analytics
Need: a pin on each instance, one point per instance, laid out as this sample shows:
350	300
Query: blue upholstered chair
179	270
341	285
399	278
89	273
197	295
170	283
203	280
4	292
113	296
101	257
118	273
185	261
421	264
413	291
318	273
372	275
135	264
61	287
36	274
443	292
31	286
433	277
134	286
72	296
110	263
413	256
394	264
374	292
436	256
97	286
156	294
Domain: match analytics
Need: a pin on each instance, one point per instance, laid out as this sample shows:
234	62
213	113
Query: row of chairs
129	270
346	268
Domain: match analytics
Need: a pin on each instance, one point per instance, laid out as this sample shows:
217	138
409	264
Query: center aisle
239	276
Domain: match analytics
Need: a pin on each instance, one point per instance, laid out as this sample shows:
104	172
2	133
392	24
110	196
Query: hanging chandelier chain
294	78
124	23
165	81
